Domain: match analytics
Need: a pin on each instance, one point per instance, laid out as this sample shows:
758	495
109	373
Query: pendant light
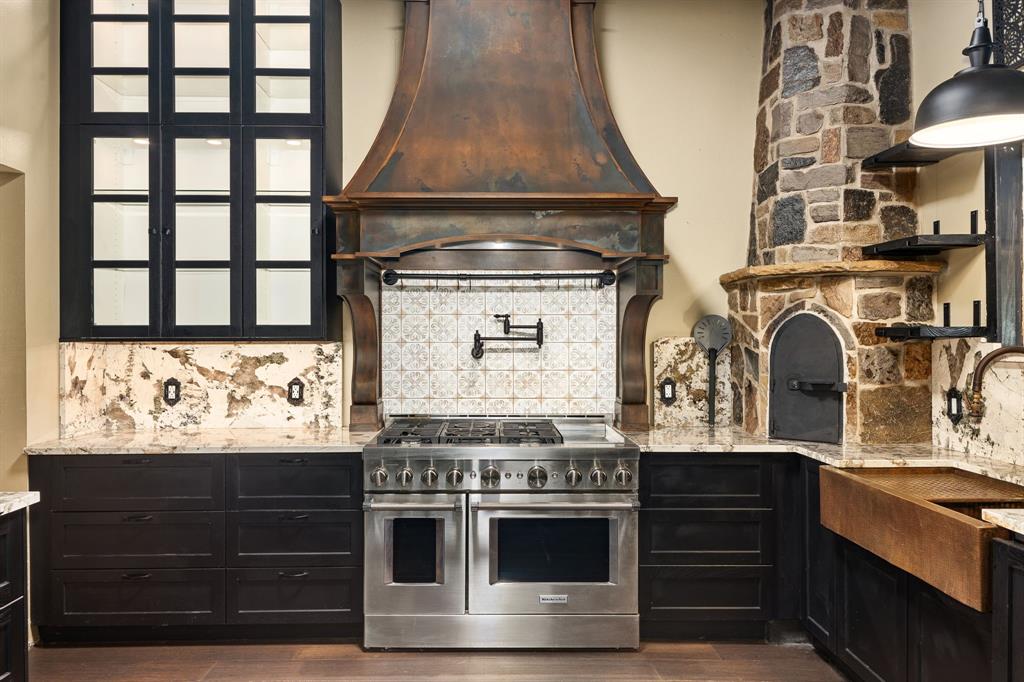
980	106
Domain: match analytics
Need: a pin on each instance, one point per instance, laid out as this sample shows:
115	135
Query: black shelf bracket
906	155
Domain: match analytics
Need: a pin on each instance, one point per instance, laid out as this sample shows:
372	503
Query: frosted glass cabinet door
120	165
120	93
202	232
201	7
282	95
202	297
202	45
282	297
120	44
202	166
202	94
120	231
282	232
282	166
282	8
121	297
120	6
282	46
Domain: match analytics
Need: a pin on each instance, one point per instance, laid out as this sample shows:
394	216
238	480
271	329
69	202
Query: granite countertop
850	456
12	502
1011	519
201	441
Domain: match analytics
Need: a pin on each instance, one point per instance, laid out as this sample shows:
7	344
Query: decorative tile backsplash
223	385
683	360
427	329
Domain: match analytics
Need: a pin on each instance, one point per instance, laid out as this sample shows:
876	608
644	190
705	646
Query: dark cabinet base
340	632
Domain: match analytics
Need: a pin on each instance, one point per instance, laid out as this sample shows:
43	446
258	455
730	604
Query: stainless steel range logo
553	598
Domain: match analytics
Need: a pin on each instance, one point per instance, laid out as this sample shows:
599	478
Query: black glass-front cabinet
197	139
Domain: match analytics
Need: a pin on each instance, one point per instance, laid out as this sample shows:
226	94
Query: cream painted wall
29	79
690	127
948	191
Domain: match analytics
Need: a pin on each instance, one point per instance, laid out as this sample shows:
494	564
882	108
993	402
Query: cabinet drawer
706	537
295	595
137	597
137	539
12	557
295	482
14	642
703	593
295	538
116	483
703	481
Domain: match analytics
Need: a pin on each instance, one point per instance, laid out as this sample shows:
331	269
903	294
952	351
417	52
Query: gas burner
527	432
411	432
470	432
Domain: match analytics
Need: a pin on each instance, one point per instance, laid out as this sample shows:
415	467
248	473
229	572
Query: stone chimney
835	89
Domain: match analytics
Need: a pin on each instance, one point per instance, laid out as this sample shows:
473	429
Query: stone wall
835	89
889	395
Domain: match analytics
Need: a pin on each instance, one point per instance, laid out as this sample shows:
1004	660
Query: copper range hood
499	151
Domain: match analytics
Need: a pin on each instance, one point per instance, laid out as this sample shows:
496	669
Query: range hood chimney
500	151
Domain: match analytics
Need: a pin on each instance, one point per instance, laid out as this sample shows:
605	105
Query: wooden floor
336	662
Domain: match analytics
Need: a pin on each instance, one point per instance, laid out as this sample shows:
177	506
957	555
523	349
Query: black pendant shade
981	105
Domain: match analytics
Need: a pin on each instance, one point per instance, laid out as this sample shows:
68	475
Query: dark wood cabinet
1008	611
295	538
14	641
818	562
137	539
871	636
310	595
13	618
708	545
294	482
137	597
947	641
133	483
128	547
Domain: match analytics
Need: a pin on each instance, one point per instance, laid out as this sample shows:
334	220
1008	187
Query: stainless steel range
501	534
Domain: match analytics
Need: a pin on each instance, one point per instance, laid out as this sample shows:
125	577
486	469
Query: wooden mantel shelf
821	269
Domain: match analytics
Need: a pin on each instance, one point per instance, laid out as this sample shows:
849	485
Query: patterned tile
427	335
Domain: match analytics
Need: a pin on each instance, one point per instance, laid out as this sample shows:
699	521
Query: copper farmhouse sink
926	521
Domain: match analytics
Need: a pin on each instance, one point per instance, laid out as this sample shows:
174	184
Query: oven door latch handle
816	386
372	506
555	506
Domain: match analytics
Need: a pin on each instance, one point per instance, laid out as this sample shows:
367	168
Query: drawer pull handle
296	517
137	461
296	574
138	518
136	576
296	460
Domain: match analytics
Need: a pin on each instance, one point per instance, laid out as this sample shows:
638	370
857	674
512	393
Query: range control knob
623	477
537	477
454	477
379	476
429	477
404	477
490	477
598	476
573	477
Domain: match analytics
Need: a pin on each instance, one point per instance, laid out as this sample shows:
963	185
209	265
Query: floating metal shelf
905	155
924	245
926	332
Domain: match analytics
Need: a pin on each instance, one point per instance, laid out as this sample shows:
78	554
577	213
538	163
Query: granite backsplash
119	386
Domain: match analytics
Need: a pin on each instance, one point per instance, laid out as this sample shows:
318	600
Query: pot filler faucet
975	400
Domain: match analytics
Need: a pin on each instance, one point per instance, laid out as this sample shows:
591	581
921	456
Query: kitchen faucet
975	400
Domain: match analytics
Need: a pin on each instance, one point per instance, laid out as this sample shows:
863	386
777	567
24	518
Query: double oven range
500	533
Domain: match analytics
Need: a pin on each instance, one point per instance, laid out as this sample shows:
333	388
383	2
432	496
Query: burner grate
524	432
470	432
406	431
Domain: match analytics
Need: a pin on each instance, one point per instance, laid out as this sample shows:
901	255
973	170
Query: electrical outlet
667	390
172	391
296	391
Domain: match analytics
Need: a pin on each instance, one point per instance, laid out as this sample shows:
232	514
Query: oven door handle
555	506
411	506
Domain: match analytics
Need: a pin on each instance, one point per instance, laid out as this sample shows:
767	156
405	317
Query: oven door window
547	550
417	548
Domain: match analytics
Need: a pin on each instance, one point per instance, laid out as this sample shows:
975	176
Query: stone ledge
825	269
